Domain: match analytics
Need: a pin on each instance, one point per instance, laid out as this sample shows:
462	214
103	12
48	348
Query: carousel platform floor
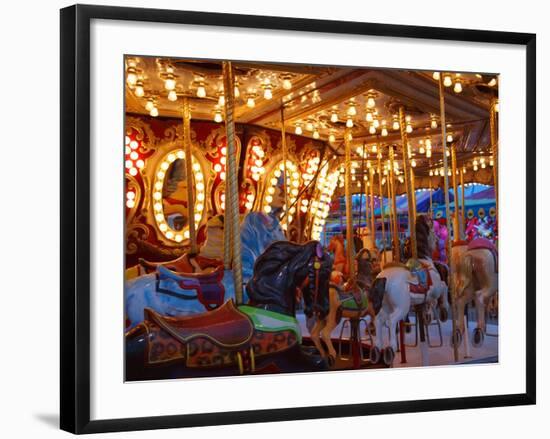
438	356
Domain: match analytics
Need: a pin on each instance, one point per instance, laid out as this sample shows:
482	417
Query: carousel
295	218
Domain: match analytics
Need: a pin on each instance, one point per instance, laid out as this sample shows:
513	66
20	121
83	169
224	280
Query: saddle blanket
420	279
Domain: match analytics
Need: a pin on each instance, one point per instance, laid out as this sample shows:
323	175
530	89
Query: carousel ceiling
327	102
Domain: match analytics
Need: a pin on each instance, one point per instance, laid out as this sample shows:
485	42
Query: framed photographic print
259	213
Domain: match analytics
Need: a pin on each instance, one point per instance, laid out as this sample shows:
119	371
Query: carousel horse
345	301
259	337
475	278
167	288
337	246
398	286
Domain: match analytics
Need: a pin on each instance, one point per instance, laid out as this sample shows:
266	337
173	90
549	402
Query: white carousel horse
396	289
475	278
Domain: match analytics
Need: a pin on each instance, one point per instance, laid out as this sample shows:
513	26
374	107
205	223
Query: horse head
285	266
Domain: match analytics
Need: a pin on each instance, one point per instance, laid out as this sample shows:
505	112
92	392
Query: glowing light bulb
458	87
370	102
334	117
139	91
250	102
221	100
352	111
447	81
449	138
298	130
384	132
372	129
436	76
409	128
218	117
236	91
131	77
492	82
154	112
149	105
395	125
421	150
268	94
172	95
170	83
433	123
201	91
349	123
332	138
287	84
315	134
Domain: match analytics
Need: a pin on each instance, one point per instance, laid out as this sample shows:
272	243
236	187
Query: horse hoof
456	339
478	337
331	361
374	355
443	315
389	355
427	317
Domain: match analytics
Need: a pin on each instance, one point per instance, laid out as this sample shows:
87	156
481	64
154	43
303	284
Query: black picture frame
75	217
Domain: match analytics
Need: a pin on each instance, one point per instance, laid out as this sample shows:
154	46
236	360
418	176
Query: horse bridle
317	268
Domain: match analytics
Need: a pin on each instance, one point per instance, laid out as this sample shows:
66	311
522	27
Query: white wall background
29	216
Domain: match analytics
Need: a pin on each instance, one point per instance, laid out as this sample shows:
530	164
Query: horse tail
376	293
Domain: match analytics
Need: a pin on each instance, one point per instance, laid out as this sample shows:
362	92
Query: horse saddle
209	286
420	279
182	264
352	298
485	244
224	337
225	326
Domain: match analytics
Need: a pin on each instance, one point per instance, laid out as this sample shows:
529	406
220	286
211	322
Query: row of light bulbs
135	81
158	207
326	185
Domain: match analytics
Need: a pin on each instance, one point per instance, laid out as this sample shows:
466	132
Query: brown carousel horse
349	301
475	278
337	246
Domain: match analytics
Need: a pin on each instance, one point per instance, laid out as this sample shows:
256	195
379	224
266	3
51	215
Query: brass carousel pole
381	199
186	115
494	147
231	184
396	247
462	224
431	190
285	175
408	183
349	212
413	194
456	232
447	210
371	191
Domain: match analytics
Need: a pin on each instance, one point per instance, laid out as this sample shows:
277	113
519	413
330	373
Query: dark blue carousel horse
262	336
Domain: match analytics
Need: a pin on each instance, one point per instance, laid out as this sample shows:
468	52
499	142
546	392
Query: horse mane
423	230
278	271
282	267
